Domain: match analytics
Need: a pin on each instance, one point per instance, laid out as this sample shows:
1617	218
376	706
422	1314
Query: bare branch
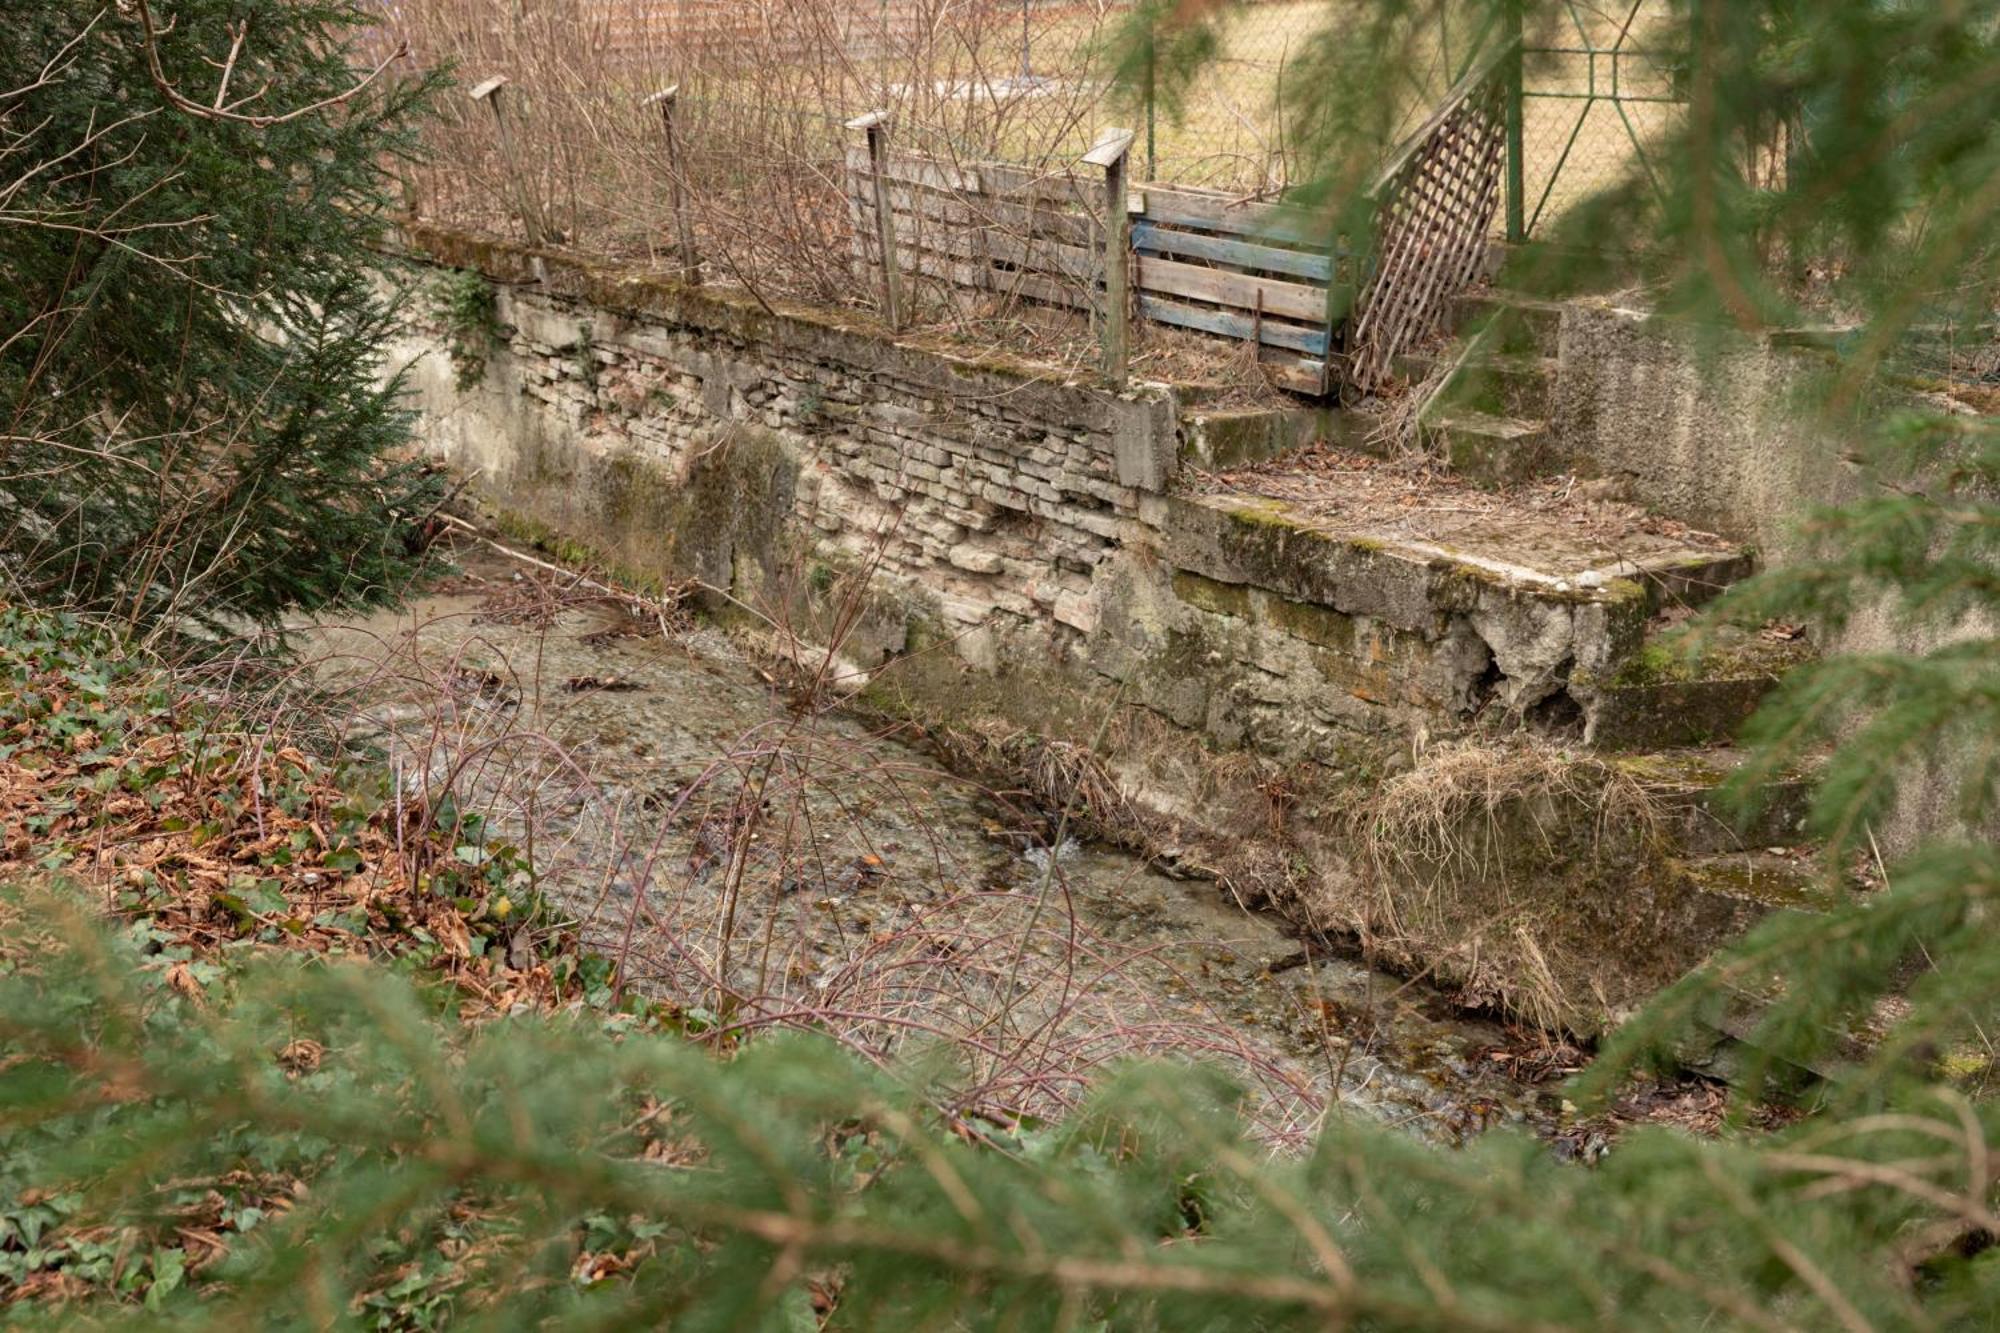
219	111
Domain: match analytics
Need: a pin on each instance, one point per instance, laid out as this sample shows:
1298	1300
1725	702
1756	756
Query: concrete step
1690	582
1507	322
1432	597
1701	821
1494	451
1760	877
1506	384
1214	439
1658	697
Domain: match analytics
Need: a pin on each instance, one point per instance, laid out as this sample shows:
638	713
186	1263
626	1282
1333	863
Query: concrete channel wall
998	551
1005	517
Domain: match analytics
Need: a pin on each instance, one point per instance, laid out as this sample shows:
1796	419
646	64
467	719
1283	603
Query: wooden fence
1258	273
982	229
1264	274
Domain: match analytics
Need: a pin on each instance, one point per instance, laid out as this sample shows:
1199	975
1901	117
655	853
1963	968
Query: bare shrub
764	92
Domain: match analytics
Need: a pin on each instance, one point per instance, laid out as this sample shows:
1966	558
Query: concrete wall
984	483
1730	436
1011	518
1720	436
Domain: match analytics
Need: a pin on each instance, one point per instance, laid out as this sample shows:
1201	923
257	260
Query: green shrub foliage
191	324
300	1144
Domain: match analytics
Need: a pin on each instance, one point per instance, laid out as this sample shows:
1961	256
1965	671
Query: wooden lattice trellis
1436	201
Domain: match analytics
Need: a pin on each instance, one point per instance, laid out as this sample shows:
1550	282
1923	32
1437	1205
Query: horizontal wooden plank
1067	262
1289	299
945	222
1055	187
1151	238
1066	225
1264	222
982	277
917	170
1062	224
1050	291
949	210
1305	377
1070	262
1226	324
1026	221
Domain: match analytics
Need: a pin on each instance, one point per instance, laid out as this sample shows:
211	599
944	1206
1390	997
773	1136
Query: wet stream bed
764	860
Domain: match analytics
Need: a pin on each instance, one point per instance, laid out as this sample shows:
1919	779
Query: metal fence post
690	260
1517	227
1152	97
876	126
531	219
1110	153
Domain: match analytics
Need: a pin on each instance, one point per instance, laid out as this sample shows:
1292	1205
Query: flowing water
764	860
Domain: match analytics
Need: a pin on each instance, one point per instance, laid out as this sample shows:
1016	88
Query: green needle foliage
351	1154
295	1145
190	310
1885	217
1919	554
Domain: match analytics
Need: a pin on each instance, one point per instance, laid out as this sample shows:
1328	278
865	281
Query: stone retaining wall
994	489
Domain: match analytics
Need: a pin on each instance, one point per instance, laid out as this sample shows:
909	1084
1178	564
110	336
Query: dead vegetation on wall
1480	860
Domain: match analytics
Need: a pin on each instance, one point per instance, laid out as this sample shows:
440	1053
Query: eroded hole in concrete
1559	715
1556	714
1476	678
1482	688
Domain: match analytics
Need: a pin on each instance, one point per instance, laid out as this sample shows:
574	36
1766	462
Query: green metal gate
1587	97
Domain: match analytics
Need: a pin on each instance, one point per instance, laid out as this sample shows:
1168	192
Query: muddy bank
763	858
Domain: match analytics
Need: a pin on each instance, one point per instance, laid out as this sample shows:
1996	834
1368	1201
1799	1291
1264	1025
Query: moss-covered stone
1223	599
1318	625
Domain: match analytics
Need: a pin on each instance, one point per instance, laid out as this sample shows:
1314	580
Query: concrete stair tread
1658	696
1761	876
1492	450
1515	322
1486	423
1492	538
1417	364
1687	782
1518	362
1697	768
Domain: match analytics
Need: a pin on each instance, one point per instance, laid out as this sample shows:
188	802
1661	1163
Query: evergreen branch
217	110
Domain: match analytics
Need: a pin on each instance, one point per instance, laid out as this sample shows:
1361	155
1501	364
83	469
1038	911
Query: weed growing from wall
465	304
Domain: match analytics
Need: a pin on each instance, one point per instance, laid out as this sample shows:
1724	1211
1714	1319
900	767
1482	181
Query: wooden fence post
876	126
1110	152
690	259
531	219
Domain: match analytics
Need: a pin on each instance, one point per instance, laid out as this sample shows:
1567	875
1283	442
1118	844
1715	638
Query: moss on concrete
1223	599
565	550
1317	625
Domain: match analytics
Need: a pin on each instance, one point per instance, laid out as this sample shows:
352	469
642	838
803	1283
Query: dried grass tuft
1465	850
1399	428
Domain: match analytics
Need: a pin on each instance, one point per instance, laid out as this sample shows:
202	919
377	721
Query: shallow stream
767	861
